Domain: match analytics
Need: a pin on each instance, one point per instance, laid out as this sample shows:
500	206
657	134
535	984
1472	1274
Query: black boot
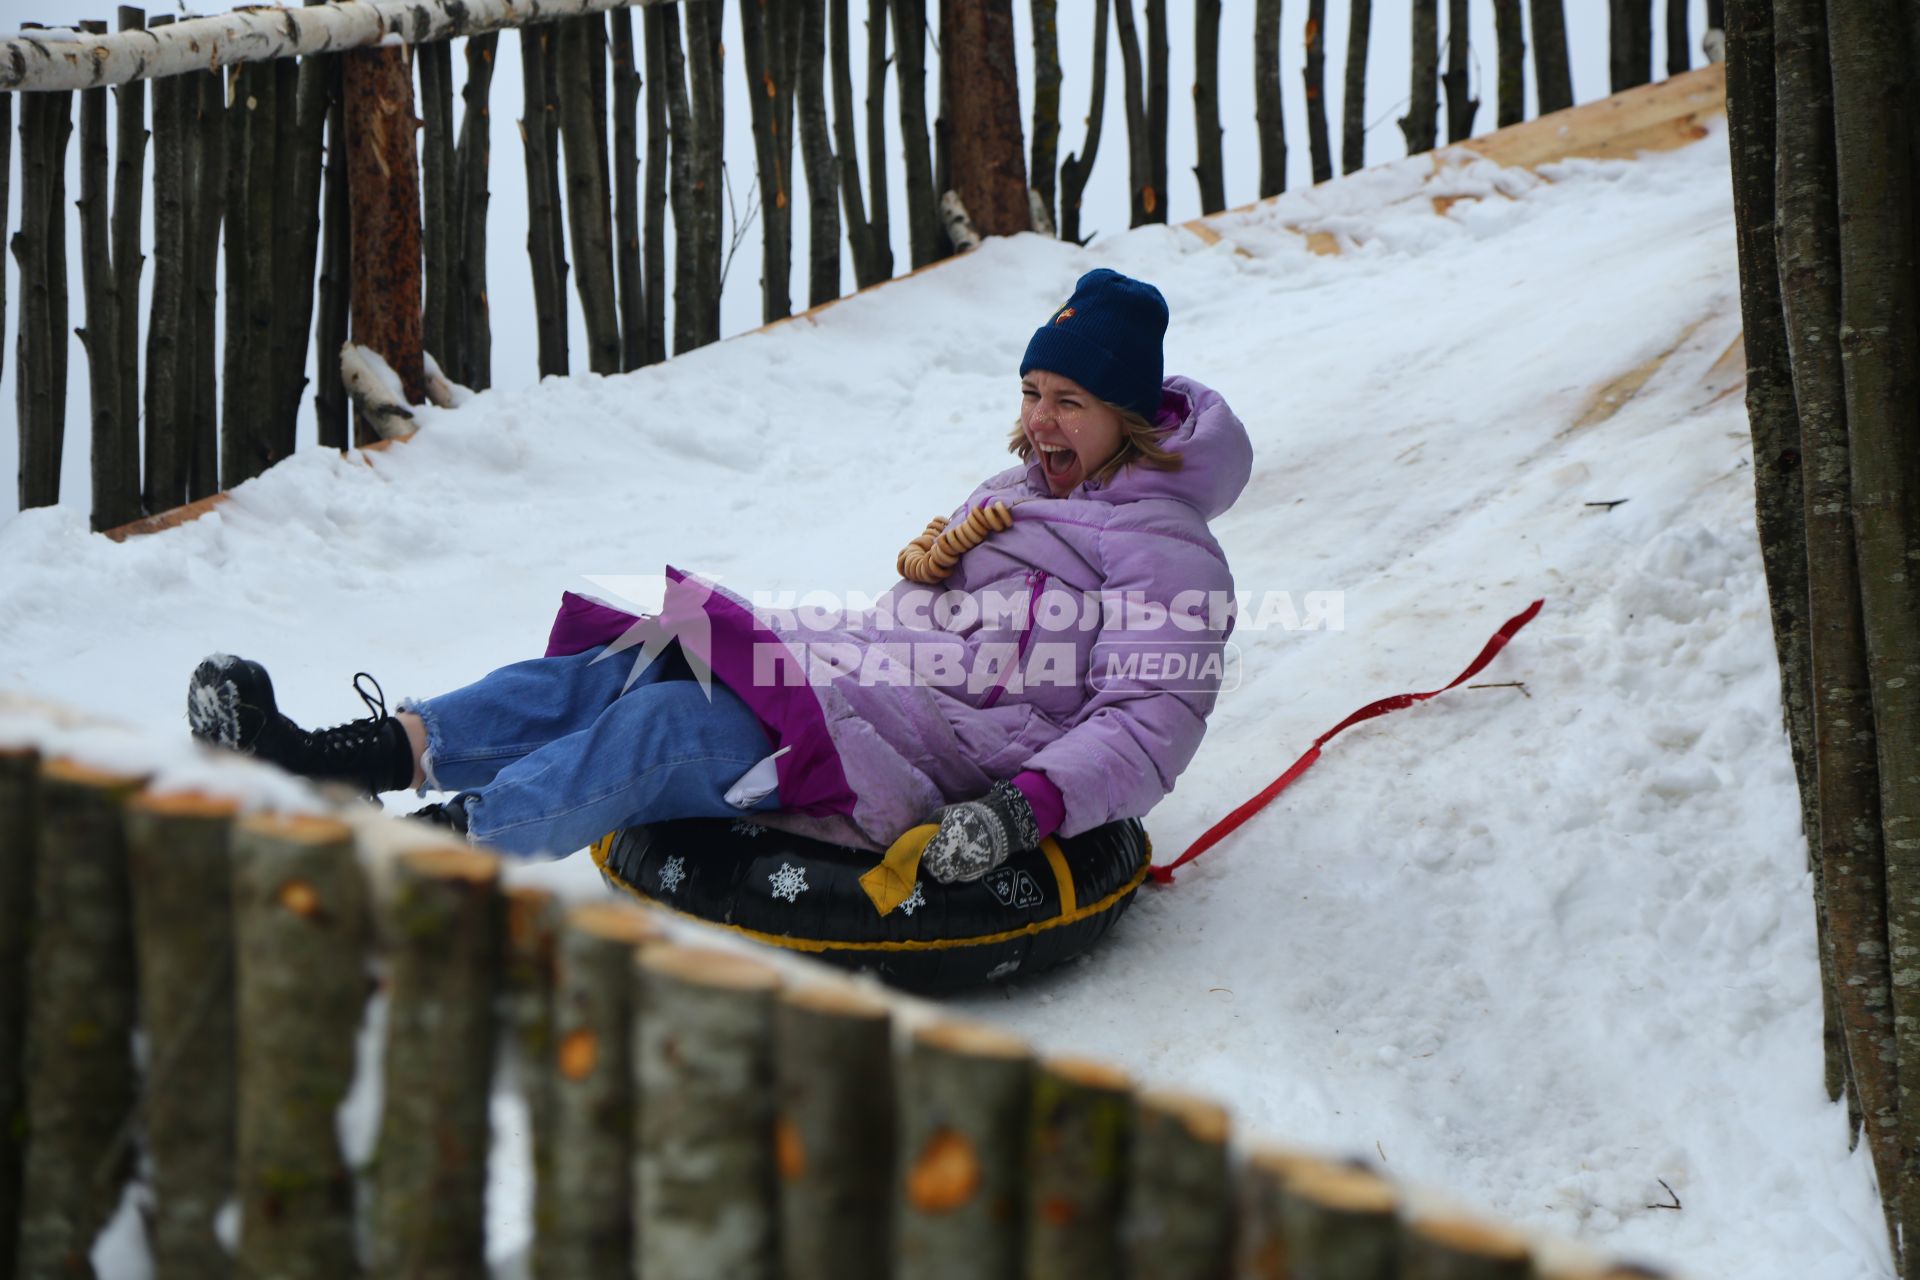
450	814
230	704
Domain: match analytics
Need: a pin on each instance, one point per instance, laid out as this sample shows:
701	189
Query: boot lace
345	741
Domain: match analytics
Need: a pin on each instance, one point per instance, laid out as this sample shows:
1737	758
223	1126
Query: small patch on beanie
1062	314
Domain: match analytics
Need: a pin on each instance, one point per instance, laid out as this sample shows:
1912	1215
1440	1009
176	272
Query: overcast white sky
1104	207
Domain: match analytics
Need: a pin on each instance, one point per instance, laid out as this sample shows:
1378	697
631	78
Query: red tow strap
1219	830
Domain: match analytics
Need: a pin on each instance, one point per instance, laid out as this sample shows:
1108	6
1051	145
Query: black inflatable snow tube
1040	909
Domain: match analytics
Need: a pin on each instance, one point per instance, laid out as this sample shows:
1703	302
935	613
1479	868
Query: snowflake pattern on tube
916	899
789	881
672	872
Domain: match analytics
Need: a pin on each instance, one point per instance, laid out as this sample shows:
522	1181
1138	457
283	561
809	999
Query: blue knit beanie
1107	339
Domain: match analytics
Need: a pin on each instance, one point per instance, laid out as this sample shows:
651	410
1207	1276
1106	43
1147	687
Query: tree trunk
704	1172
206	211
1139	150
546	247
472	158
383	178
6	175
336	269
182	887
654	251
1455	1249
443	967
833	1134
1512	43
1268	112
1046	102
579	83
1629	43
816	152
693	97
1073	174
1840	796
1421	122
686	232
19	840
983	99
584	1203
1314	76
910	65
1550	65
1210	168
437	236
81	1086
1679	50
867	267
626	192
1353	116
1878	349
300	936
966	1099
40	383
1461	106
165	484
248	443
129	178
116	442
769	101
1079	1129
1157	93
879	222
1179	1165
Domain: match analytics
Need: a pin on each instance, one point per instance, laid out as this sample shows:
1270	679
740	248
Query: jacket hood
1196	424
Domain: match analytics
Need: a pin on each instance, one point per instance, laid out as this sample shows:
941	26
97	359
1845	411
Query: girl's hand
979	835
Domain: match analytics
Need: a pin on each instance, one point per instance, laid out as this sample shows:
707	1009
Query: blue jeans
550	754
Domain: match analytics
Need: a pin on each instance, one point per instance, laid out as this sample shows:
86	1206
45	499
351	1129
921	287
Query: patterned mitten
978	836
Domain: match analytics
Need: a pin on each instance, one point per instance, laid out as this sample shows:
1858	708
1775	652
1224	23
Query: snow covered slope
1547	948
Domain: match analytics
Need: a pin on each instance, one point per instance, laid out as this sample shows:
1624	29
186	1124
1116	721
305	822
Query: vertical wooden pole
472	310
1314	78
816	152
1512	44
1046	102
1269	111
709	182
580	77
1551	68
336	267
166	443
583	1208
1353	107
686	215
983	110
81	1084
654	251
300	936
1462	106
1179	1190
626	192
40	371
880	221
430	1177
833	1135
246	364
438	233
1209	168
1080	1128
532	922
1630	43
1073	173
965	1099
6	178
130	143
181	877
383	177
1679	44
116	442
867	268
206	211
1421	123
546	248
306	112
1157	95
766	32
1144	199
910	66
19	840
703	1057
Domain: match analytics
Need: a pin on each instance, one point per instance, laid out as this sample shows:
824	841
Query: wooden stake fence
695	1112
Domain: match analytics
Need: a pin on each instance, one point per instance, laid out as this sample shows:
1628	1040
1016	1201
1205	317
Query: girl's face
1071	431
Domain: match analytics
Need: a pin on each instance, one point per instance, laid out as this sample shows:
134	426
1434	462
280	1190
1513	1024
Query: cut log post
583	1206
910	67
1073	173
1269	110
1462	106
1314	78
654	251
19	839
442	924
532	922
167	444
816	153
81	1086
300	934
546	245
1209	168
1353	107
439	237
206	206
1265	1252
1551	68
383	177
129	178
1179	1190
626	193
579	84
1046	102
1080	1128
1511	42
703	1059
181	875
1143	200
473	322
336	270
833	1134
40	377
116	442
1460	1249
1339	1223
965	1105
1420	126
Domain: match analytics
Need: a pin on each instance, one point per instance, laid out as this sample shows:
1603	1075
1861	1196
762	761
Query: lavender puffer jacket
1016	662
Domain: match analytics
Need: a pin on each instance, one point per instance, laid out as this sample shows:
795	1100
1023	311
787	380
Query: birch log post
833	1134
383	177
19	838
167	410
40	381
1179	1190
1353	107
626	192
546	246
965	1099
910	67
1462	1249
1269	110
1079	1132
129	179
703	1059
583	1203
181	876
532	922
1209	168
300	942
115	441
1074	172
442	923
473	315
579	70
81	1085
206	206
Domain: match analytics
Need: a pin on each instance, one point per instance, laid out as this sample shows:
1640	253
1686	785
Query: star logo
682	617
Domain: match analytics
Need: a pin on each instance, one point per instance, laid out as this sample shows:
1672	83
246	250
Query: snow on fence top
62	58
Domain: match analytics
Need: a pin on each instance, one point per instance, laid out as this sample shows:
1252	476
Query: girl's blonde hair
1139	442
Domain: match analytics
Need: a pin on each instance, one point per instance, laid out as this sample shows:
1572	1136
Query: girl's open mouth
1059	463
